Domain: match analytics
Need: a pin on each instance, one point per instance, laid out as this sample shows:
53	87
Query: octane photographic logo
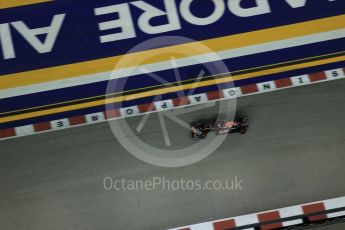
163	137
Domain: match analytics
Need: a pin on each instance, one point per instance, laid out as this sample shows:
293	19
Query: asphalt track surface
292	154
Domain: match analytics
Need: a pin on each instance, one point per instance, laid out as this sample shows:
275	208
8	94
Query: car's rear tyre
243	130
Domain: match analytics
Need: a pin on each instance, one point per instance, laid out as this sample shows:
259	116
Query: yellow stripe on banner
14	3
170	89
178	51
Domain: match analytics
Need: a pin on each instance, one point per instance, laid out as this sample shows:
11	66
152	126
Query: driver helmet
230	124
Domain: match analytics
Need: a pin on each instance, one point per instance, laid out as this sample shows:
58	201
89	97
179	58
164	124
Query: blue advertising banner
64	32
58	57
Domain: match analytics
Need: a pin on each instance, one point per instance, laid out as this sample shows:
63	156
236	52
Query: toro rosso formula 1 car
200	130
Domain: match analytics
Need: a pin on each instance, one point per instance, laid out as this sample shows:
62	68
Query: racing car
201	129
